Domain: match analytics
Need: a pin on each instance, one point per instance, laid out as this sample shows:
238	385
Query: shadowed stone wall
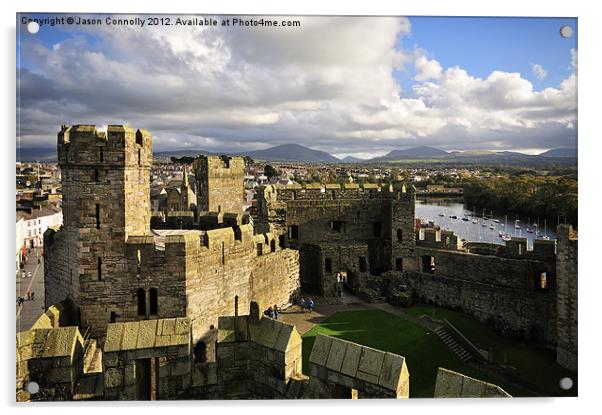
566	301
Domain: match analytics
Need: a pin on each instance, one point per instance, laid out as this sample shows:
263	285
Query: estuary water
442	210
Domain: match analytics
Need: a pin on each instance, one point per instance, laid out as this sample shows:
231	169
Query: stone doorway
146	379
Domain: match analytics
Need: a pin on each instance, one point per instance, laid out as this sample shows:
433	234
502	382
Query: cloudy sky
360	86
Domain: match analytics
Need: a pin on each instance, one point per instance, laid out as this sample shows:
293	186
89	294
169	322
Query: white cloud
426	68
328	85
539	71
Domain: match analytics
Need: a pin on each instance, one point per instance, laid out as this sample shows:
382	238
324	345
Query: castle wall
337	227
566	301
60	282
500	291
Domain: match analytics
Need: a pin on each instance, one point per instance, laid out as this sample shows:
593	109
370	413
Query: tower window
363	264
377	229
328	265
101	154
138	138
428	264
99	266
138	262
259	249
154	301
141	297
336	226
139	157
113	317
273	245
293	232
96	176
399	235
543	281
97	216
293	195
399	264
223	253
281	241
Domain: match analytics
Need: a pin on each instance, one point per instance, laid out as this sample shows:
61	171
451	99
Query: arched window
399	235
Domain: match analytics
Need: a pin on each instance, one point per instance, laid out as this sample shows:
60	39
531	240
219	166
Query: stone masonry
109	263
370	233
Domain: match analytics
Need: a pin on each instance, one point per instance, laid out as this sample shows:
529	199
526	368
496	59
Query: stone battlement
119	145
180	242
436	238
514	248
336	191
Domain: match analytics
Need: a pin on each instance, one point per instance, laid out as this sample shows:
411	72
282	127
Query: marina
479	226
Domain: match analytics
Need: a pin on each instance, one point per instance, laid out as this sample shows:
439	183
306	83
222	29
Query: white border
589	171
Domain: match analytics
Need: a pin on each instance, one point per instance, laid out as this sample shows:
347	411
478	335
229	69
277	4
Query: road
29	312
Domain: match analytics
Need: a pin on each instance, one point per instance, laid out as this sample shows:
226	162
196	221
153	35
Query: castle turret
106	185
221	184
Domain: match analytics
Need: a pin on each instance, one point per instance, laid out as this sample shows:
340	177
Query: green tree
270	171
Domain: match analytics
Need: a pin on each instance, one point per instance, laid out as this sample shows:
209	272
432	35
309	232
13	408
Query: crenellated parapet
117	146
436	238
335	191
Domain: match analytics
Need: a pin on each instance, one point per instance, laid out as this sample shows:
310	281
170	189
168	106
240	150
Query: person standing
310	305
302	304
276	313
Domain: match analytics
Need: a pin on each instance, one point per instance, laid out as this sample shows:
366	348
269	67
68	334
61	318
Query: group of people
341	281
30	297
309	304
272	312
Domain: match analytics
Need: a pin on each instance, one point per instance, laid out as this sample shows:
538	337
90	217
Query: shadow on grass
424	351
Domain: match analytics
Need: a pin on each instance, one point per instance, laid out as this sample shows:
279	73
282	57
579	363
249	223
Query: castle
370	232
150	294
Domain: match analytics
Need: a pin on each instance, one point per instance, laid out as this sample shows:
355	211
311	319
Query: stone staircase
452	344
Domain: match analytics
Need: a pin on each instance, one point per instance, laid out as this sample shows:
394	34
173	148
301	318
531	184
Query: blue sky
484	44
331	85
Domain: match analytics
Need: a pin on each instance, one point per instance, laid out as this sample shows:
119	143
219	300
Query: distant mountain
351	159
285	152
473	153
292	152
36	154
560	152
412	153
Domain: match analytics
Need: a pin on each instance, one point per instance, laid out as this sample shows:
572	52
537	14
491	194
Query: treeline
546	197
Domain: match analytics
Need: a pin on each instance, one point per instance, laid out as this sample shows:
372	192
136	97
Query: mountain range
299	153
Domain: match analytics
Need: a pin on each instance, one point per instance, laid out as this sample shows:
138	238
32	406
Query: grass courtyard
425	352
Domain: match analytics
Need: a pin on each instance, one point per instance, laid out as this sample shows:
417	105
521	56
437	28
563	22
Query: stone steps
452	344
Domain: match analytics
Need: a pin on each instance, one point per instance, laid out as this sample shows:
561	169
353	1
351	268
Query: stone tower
566	297
221	184
106	186
403	238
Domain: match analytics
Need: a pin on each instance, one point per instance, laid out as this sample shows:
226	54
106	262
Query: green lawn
535	366
424	351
